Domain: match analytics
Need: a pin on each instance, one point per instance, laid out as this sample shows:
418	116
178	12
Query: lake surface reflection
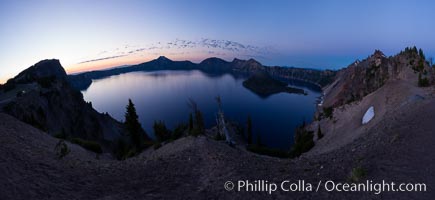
163	95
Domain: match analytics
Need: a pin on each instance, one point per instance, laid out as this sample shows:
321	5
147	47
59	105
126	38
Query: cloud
99	59
203	46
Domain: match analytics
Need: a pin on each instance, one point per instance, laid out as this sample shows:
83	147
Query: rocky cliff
41	96
391	86
364	77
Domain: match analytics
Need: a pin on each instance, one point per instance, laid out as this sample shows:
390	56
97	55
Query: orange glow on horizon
128	60
102	64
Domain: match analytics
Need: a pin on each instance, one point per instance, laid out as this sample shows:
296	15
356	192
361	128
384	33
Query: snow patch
370	113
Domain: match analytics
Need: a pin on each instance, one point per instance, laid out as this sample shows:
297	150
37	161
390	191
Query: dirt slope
197	168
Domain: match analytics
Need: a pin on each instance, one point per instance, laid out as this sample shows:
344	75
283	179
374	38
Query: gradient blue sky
315	34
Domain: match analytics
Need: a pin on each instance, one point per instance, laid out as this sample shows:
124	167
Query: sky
89	35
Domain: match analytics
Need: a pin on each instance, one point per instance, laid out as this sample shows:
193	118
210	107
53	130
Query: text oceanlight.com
328	185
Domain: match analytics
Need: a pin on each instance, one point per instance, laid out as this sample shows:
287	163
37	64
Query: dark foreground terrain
197	168
397	145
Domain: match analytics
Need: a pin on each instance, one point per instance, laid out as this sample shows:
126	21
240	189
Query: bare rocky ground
399	146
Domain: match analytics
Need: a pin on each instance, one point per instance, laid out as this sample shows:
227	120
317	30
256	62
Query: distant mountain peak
250	61
253	61
237	60
213	60
163	58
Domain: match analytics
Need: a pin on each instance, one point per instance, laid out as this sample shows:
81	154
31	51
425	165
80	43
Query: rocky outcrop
45	100
385	87
364	77
42	70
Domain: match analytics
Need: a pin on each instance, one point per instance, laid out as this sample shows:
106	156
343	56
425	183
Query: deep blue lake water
163	95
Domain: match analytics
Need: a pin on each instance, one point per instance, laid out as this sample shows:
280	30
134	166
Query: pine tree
121	149
249	129
419	79
431	62
420	52
422	82
319	133
199	122
259	143
133	126
414	49
161	132
190	123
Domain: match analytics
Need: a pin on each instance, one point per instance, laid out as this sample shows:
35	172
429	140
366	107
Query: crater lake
164	95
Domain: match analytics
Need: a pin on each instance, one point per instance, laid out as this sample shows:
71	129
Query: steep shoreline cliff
42	97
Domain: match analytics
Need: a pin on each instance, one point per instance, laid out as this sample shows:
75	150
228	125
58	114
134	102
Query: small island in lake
264	85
